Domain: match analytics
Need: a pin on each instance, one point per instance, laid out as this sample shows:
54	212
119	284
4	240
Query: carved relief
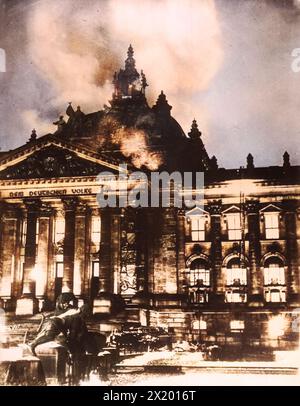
51	162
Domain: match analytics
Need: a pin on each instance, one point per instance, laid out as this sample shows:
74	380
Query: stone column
8	230
105	252
51	275
115	250
291	252
255	277
216	251
69	243
151	240
27	305
109	261
80	251
165	255
43	250
181	250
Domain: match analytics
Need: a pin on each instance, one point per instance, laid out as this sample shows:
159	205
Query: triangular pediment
49	157
196	211
270	208
231	210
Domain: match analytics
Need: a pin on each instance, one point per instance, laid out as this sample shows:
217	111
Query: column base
256	300
27	306
107	304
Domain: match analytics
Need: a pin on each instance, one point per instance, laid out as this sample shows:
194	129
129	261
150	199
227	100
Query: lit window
95	269
199	325
24	231
199	274
198	228
235	274
272	225
275	295
235	296
237	325
274	280
59	269
274	275
59	229
234	226
96	230
37	232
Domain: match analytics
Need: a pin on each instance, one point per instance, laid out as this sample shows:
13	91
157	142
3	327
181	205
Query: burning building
225	272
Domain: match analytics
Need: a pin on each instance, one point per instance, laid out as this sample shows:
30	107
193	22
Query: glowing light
39	275
276	326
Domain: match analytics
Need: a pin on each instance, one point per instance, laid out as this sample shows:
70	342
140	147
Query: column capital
9	210
81	208
215	207
181	212
32	205
70	203
290	206
46	210
252	206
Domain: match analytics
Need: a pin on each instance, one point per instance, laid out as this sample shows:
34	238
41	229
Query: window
275	295
37	231
272	225
96	230
235	274
237	325
59	230
234	226
198	228
199	325
235	296
274	280
274	275
199	273
59	269
95	269
24	231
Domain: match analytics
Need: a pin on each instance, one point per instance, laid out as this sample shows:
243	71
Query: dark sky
226	63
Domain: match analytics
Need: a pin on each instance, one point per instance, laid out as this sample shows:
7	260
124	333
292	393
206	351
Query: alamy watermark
295	65
157	189
2	60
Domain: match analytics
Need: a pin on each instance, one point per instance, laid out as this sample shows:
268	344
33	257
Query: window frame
234	231
272	232
96	232
198	233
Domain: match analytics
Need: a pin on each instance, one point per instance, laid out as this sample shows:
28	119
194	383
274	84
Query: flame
133	144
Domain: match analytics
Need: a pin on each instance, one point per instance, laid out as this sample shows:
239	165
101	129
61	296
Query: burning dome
129	129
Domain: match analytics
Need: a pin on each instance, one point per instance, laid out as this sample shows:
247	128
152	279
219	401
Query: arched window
199	273
236	281
274	271
274	280
198	280
236	274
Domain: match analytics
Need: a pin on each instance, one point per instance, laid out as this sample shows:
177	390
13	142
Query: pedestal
27	306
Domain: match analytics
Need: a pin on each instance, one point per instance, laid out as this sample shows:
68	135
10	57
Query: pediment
231	210
51	159
196	211
271	208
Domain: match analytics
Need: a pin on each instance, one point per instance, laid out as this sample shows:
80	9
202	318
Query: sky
226	63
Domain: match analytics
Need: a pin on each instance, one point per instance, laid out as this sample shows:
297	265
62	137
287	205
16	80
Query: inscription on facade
55	192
